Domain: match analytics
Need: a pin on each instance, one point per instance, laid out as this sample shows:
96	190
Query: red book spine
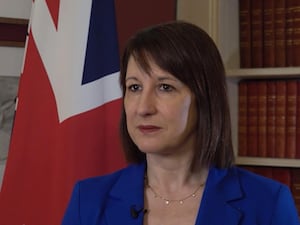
252	130
283	175
264	171
268	33
295	186
271	104
289	32
262	119
280	119
298	122
257	33
291	110
280	27
242	120
245	33
296	33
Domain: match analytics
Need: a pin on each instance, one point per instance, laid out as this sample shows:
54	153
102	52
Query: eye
166	87
134	87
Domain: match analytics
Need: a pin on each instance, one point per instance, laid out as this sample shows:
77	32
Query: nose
147	103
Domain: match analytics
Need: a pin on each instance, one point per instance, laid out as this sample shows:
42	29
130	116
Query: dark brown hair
188	53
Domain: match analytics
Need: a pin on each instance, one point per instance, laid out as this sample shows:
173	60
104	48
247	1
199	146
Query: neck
169	175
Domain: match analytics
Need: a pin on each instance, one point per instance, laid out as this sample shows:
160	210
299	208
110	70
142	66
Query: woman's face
160	110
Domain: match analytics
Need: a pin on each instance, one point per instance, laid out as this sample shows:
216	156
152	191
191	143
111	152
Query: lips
148	128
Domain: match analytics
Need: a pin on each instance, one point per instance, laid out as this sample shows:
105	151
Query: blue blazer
231	197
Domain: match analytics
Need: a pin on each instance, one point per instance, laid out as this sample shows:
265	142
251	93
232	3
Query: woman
175	129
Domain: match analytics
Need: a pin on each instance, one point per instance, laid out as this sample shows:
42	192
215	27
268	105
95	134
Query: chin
149	149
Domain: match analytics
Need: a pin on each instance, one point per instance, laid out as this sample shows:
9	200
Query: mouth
147	129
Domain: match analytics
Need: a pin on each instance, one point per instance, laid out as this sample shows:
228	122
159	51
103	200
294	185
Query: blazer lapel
221	189
126	200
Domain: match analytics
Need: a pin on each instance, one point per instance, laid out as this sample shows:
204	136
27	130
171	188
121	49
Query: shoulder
244	176
89	196
252	182
105	182
248	184
248	177
259	199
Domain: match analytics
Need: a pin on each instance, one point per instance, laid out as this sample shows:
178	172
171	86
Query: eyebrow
167	78
130	78
159	78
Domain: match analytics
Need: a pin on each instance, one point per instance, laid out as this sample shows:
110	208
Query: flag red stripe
49	157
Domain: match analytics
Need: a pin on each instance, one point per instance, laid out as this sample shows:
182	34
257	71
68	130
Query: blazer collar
222	189
127	197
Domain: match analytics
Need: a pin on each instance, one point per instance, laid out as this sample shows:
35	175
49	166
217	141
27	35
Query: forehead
149	68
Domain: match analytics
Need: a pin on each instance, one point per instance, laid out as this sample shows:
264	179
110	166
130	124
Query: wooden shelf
262	73
276	162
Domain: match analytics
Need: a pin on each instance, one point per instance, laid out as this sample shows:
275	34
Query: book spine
245	33
291	110
262	119
271	104
280	119
298	122
282	174
252	118
268	33
289	32
242	120
257	33
264	171
296	33
280	27
295	186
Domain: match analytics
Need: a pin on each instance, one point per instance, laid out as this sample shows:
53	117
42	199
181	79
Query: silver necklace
169	201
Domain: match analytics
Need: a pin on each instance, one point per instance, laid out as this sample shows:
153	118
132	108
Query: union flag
68	109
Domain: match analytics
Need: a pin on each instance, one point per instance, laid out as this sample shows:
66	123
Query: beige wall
11	58
203	13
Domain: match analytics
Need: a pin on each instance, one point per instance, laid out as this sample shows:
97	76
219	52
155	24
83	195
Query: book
295	186
289	32
291	110
268	33
252	113
262	118
242	119
297	155
282	174
265	171
280	119
271	105
296	33
245	33
279	27
257	33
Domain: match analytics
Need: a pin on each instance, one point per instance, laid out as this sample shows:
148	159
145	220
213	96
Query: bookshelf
221	20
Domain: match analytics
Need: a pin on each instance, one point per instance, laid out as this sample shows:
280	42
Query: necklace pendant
167	202
181	202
